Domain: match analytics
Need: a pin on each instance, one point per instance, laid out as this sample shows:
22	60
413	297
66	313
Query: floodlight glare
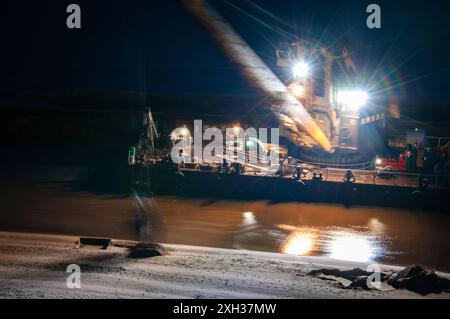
300	70
352	99
298	90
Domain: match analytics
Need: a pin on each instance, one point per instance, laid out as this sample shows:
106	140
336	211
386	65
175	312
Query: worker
298	173
280	170
238	168
317	178
349	177
225	166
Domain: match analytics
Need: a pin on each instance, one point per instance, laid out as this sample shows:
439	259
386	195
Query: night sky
158	47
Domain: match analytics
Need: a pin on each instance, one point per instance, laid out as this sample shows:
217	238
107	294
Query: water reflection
248	218
298	243
360	244
247	231
376	226
351	248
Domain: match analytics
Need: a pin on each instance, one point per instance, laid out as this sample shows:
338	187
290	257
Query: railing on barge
362	173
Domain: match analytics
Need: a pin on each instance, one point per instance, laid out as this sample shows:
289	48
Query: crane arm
289	111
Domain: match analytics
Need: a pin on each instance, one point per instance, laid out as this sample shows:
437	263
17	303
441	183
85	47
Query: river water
361	234
44	203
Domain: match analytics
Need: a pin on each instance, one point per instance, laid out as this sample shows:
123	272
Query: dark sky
121	43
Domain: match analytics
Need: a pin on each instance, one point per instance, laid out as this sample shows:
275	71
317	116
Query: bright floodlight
300	70
352	99
298	90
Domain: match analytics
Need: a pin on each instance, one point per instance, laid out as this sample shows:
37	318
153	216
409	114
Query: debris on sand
354	278
413	278
419	280
359	282
146	250
347	274
93	241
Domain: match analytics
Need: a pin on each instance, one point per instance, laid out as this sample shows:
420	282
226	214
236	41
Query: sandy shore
34	266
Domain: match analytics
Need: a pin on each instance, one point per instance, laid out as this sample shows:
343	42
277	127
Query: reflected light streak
336	242
351	248
376	226
248	218
298	243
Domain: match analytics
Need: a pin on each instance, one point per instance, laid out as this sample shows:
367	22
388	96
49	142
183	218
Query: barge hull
201	184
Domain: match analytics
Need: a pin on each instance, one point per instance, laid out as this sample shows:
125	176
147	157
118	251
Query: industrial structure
323	104
322	81
323	110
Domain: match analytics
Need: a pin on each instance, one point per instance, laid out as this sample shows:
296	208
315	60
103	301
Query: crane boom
289	111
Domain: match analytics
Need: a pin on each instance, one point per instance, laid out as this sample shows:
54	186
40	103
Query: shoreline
34	266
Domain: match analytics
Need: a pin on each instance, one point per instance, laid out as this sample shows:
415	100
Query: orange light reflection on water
338	243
